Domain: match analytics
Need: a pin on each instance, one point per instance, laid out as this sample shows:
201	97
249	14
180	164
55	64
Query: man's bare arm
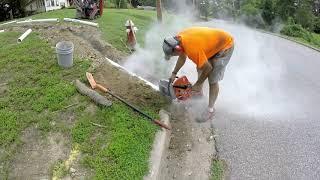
206	69
181	61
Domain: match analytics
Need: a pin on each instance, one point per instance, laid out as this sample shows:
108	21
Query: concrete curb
132	74
159	149
162	137
289	38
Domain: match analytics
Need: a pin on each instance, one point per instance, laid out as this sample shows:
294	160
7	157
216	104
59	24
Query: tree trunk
159	12
11	15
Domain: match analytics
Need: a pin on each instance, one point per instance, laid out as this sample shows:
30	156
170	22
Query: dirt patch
38	155
91	109
88	41
191	147
128	87
5	78
95	40
3	88
68	118
77	171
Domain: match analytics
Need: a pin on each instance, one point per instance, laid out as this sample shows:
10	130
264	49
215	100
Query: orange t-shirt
201	43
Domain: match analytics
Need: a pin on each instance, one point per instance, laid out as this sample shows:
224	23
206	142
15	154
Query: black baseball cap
168	46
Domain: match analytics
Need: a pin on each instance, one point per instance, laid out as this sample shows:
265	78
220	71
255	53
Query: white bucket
64	50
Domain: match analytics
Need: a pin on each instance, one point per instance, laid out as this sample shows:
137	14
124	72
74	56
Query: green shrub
297	31
290	21
294	30
249	10
314	39
251	16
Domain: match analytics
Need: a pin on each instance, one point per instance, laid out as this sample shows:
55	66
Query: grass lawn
112	23
62	13
38	88
113	20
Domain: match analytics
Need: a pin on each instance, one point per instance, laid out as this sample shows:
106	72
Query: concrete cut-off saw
179	89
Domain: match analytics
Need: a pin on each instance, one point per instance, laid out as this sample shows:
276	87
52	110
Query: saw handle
171	80
159	123
100	87
183	87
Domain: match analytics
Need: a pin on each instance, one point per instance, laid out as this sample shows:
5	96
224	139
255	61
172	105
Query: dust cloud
252	83
149	61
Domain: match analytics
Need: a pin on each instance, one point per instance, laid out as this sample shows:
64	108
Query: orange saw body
180	89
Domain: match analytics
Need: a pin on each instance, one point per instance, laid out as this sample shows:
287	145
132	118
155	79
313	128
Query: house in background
36	6
56	4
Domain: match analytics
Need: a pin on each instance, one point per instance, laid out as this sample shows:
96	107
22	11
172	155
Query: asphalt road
268	110
267	121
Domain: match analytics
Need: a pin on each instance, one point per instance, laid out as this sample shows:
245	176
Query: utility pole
159	12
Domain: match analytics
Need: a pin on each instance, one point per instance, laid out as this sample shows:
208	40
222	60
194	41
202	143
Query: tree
249	10
17	7
120	3
268	13
159	12
304	14
317	25
285	9
251	13
316	7
203	9
224	8
135	3
250	7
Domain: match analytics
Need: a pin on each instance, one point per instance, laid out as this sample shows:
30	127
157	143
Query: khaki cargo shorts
219	63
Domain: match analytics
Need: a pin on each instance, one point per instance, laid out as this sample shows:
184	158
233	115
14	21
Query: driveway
267	122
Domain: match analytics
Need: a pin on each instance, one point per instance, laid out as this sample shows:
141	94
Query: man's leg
213	94
199	74
219	66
